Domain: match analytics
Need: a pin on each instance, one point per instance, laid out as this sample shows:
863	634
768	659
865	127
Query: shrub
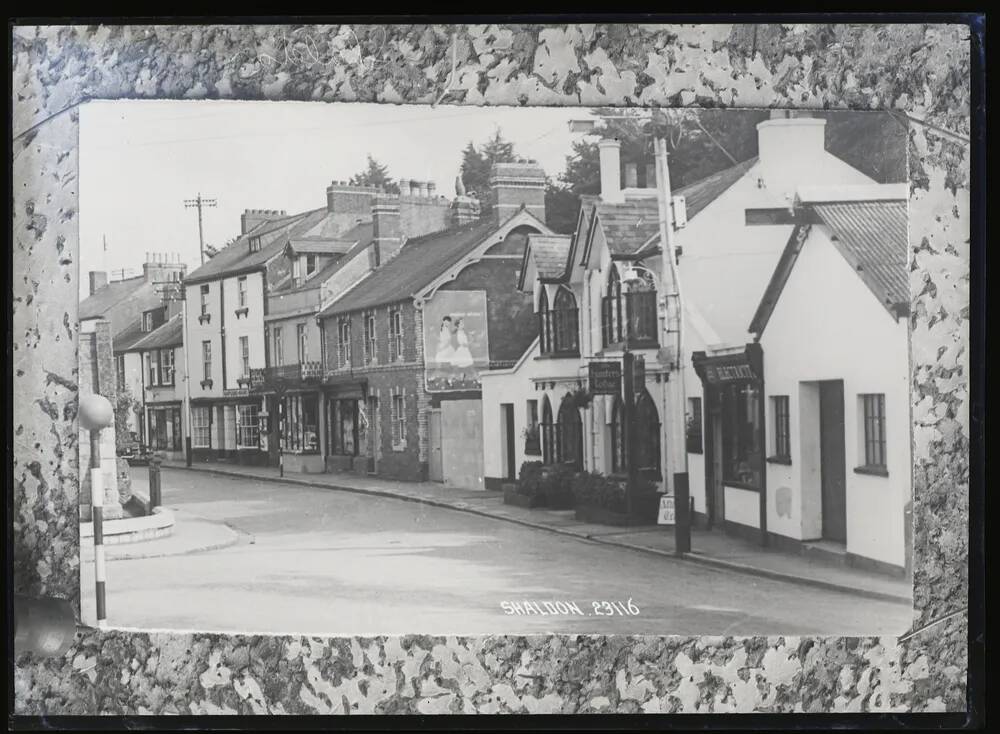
559	485
530	480
599	490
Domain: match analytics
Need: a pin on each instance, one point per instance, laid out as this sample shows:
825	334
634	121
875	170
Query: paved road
324	562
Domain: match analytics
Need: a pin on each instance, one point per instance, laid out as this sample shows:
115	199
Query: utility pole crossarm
199	203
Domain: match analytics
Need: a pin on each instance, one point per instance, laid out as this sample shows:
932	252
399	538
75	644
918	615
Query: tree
476	165
375	174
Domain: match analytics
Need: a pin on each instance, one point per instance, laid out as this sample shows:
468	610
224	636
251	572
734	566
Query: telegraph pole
198	203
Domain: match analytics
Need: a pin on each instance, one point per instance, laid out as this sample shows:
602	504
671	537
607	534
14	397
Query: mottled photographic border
922	72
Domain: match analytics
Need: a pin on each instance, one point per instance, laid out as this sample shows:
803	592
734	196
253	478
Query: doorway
507	431
435	465
833	467
713	464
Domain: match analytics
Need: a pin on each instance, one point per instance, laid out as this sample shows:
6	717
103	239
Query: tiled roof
417	264
549	253
629	225
319	246
98	304
871	236
274	235
168	334
701	193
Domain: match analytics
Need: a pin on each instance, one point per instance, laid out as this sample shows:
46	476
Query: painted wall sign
666	515
605	378
237	392
729	373
456	340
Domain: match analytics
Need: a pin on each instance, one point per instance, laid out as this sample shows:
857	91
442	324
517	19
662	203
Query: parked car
134	451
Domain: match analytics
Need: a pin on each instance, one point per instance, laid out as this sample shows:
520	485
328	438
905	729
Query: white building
833	328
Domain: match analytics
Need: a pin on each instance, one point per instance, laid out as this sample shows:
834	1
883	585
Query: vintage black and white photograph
357	369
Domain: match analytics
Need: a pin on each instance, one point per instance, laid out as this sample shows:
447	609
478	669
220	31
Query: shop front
164	429
229	429
290	425
735	480
345	416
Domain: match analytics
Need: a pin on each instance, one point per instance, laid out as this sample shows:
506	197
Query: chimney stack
517	184
790	150
251	218
159	268
464	210
386	230
611	171
98	279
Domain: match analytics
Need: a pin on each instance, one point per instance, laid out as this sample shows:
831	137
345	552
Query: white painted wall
251	326
742	506
828	325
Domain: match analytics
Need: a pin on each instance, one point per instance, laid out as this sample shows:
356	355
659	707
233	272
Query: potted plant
580	397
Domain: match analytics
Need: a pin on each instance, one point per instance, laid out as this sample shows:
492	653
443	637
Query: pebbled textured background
920	70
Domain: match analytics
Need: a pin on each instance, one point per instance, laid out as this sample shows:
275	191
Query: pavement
707	547
311	560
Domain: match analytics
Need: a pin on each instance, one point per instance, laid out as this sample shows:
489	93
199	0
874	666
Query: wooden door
435	463
833	470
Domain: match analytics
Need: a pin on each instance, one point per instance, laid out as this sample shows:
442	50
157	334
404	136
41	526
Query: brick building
394	410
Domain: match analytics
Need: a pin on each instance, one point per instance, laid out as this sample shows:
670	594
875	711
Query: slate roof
320	246
237	257
629	226
419	261
871	236
358	239
168	334
121	303
125	339
549	253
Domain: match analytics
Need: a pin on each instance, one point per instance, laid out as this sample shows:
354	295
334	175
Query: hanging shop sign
605	378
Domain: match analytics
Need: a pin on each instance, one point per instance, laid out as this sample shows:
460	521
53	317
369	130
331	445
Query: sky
140	160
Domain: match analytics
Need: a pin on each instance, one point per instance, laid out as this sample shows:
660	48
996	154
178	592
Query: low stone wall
132	529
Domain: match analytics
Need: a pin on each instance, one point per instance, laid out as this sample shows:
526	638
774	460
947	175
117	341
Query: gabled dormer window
310	264
255	244
296	272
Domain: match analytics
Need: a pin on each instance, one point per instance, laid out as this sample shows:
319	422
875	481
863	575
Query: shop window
300	430
741	435
782	429
165	429
693	428
343	427
873	417
201	428
247	427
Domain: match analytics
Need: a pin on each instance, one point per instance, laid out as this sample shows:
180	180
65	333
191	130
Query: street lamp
95	414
